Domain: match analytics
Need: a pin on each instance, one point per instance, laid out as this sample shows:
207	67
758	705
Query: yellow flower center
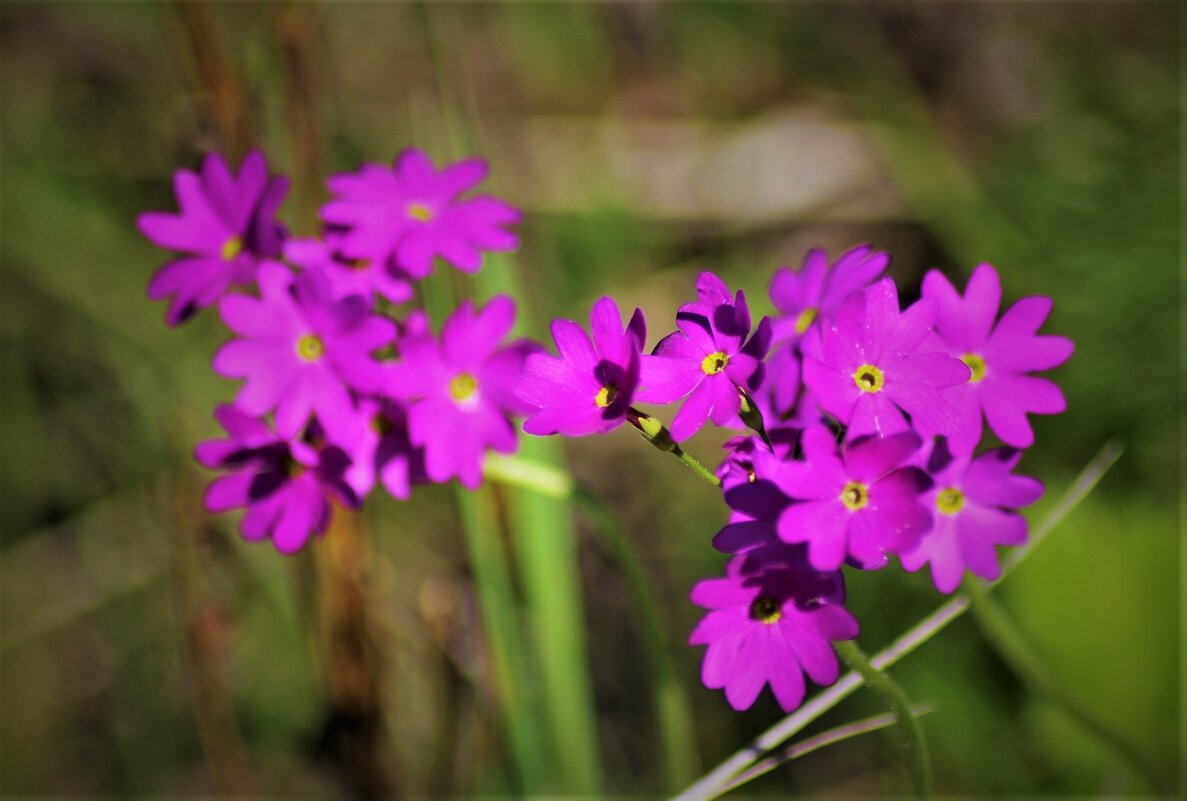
950	500
310	348
231	248
462	387
419	212
868	378
358	264
765	610
806	318
855	496
976	365
715	363
605	397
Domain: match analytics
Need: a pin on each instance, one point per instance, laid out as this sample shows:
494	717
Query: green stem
910	732
654	432
1011	646
496	598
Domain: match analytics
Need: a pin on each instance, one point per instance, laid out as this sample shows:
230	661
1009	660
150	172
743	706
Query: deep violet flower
412	212
588	387
872	368
974	503
862	502
461	389
708	357
771	620
301	349
998	358
349	276
285	485
226	225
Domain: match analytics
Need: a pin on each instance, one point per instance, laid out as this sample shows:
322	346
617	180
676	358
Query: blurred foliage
644	141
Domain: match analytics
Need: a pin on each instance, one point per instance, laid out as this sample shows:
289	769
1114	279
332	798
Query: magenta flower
589	386
412	212
379	446
863	502
814	293
998	358
771	620
301	349
707	358
870	372
974	502
285	485
225	227
349	276
462	388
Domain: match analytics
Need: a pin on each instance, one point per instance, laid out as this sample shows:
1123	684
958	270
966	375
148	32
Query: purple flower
463	386
301	349
974	501
225	227
707	358
771	619
862	502
349	276
869	372
411	213
998	358
589	386
815	293
285	485
380	447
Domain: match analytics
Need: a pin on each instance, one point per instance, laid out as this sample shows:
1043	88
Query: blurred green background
145	649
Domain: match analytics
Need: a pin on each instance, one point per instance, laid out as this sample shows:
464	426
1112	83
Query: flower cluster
341	389
865	423
865	420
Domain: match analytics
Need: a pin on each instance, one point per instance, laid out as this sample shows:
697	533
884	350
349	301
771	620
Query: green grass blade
508	653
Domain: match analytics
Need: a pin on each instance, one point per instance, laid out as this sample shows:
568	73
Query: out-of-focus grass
637	138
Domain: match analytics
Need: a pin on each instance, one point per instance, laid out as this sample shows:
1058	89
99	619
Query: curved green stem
910	732
1012	647
658	435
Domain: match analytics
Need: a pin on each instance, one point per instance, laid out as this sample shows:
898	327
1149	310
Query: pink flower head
589	386
771	620
349	276
974	502
998	357
707	358
870	372
862	502
461	389
412	212
226	225
301	349
286	485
